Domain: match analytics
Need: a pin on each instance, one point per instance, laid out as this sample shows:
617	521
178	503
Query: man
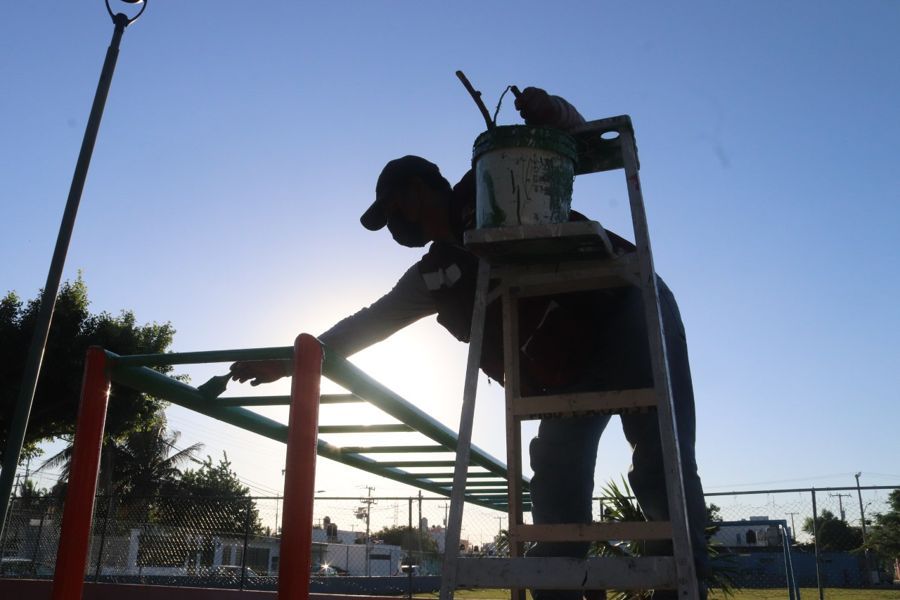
571	342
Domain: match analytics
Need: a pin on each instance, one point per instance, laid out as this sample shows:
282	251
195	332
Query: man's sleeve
408	302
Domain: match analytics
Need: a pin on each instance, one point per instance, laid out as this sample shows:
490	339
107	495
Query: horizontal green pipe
210	356
254	401
284	400
155	383
418	463
391	449
339	399
480	484
450	476
383	428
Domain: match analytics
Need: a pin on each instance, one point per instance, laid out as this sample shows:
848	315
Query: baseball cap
395	175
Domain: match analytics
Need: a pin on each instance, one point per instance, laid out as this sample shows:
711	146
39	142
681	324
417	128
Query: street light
19	423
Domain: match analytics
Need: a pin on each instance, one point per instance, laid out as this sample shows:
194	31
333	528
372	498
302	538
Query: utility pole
862	520
793	531
841	503
368	501
862	512
499	525
445	506
420	513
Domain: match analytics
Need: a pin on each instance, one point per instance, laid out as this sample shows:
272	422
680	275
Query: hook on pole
123	20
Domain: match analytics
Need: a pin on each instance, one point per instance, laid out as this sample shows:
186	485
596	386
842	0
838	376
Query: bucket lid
525	136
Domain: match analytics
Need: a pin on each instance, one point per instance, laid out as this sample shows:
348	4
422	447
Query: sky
241	142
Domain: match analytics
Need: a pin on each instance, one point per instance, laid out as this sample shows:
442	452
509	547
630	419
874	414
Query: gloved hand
541	109
260	371
536	106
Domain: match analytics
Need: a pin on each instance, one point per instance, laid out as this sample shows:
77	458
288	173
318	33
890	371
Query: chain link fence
764	539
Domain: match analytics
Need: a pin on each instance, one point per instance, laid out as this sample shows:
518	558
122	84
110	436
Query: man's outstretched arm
405	304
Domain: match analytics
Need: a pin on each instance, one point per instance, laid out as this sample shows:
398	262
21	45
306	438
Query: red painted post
300	471
74	537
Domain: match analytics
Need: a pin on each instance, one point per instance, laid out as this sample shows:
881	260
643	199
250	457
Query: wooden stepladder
537	260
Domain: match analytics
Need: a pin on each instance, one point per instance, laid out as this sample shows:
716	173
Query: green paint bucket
523	176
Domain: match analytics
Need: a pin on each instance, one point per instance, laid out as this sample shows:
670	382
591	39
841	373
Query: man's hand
260	371
536	106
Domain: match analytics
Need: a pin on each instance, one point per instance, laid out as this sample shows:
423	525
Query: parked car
14	566
320	570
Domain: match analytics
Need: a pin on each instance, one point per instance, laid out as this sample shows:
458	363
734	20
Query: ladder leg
511	382
457	498
688	587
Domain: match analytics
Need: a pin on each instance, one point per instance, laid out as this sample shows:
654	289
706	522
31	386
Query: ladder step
566	405
589	532
620	573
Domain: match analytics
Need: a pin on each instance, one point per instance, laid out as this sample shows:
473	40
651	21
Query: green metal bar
385	428
339	399
157	384
348	376
284	400
342	372
254	401
392	449
450	475
417	463
210	356
471	484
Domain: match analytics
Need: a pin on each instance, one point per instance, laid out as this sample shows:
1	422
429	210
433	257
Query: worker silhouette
583	341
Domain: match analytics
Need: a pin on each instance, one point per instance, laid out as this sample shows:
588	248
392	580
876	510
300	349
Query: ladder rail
466	419
688	586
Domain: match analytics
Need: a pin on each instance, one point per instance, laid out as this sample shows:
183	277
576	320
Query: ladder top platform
540	243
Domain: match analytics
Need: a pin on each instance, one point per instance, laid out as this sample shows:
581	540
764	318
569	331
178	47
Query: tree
713	513
210	499
133	468
410	539
74	329
884	535
832	534
621	506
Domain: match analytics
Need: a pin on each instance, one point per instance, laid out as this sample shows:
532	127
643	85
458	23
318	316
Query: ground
772	594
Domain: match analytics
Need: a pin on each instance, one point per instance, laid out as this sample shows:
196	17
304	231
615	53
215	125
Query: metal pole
862	521
74	534
368	522
816	545
409	551
300	471
246	543
19	423
99	568
862	512
37	542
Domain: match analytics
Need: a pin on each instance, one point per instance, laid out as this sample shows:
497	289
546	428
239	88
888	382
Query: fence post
300	471
409	551
37	541
74	535
103	539
246	541
816	545
4	527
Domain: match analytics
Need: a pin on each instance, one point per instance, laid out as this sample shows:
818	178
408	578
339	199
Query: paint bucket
523	176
